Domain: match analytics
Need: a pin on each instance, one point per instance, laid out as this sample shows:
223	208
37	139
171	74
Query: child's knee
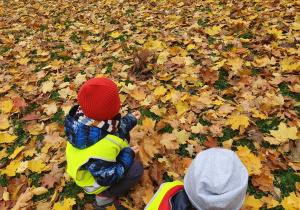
136	170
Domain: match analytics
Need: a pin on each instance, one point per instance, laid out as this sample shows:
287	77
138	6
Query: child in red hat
98	156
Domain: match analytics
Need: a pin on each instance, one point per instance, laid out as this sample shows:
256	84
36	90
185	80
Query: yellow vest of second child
106	149
156	200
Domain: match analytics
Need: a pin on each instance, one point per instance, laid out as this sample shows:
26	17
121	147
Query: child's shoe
114	201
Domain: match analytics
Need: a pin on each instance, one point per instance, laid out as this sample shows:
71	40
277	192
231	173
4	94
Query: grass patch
286	92
182	151
4	49
54	95
222	82
167	178
151	115
19	131
285	181
58	117
268	124
3	180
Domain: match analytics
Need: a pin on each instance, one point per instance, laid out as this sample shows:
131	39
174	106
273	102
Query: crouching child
99	158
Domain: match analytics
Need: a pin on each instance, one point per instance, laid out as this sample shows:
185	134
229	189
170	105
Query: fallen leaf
39	191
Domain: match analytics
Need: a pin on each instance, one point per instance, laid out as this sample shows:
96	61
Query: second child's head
99	99
216	179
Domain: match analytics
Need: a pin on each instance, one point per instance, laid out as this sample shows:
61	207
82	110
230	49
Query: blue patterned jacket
82	136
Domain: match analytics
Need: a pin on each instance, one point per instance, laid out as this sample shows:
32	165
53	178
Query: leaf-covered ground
222	73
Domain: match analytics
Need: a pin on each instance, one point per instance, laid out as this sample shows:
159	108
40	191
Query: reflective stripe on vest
155	202
106	149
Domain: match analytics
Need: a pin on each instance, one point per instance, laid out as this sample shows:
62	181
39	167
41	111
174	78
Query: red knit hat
99	99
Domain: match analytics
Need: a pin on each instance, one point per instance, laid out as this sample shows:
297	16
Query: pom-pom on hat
99	99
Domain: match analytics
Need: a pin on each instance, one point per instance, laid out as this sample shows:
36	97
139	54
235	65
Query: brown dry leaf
50	109
48	181
19	102
4	122
31	116
211	143
148	196
169	141
24	200
264	181
295	156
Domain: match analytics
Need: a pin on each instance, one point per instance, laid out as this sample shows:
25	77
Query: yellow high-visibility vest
155	202
106	149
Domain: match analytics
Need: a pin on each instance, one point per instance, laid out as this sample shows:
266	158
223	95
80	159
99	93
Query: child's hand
137	114
135	148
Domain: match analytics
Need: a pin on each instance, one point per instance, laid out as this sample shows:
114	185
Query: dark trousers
133	176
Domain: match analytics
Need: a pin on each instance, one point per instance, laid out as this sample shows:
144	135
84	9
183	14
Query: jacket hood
79	135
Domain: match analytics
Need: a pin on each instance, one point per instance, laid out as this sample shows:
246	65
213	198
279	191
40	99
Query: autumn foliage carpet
221	73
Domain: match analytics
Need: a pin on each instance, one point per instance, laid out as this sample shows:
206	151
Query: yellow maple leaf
10	169
289	63
157	45
3	153
182	136
236	63
30	152
160	91
47	86
218	65
163	57
227	144
178	60
292	202
181	107
251	162
46	147
6	105
277	33
283	134
148	124
64	93
270	201
87	47
7	138
251	201
214	30
138	94
199	129
237	121
80	78
23	166
170	173
111	207
4	123
35	128
188	61
115	34
5	88
23	61
37	166
190	47
16	152
158	111
65	205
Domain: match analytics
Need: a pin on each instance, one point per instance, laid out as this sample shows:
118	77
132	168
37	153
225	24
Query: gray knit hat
216	179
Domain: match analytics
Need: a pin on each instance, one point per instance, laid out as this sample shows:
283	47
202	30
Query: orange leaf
212	142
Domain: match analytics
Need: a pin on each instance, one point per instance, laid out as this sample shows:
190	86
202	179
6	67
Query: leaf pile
222	73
